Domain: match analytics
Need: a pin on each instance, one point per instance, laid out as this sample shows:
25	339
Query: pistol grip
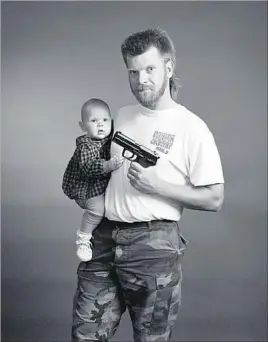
143	162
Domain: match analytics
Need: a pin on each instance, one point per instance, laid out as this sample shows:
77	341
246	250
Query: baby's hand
114	163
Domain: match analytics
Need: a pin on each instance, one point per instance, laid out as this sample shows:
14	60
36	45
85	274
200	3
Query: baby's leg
93	214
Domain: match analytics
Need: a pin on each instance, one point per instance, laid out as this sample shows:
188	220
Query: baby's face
97	123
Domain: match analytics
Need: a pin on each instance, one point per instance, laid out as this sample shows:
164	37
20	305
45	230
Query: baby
88	172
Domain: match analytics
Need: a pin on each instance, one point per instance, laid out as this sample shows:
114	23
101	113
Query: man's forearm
208	198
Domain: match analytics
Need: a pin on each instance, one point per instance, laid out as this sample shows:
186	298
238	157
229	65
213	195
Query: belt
139	224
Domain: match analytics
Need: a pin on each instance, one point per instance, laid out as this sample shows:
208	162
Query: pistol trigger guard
131	158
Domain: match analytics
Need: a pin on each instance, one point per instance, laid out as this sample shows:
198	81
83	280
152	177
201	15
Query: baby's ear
81	124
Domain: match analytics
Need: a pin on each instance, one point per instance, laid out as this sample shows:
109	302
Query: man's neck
163	103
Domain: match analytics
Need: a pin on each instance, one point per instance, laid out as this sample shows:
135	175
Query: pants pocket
167	303
175	238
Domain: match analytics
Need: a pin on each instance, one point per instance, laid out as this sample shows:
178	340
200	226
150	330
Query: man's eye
150	69
132	72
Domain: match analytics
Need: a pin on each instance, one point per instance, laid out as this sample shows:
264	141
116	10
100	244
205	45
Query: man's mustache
141	88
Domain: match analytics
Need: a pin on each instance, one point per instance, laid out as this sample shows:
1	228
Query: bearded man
138	246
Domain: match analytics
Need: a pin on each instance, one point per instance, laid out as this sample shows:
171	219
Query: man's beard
149	98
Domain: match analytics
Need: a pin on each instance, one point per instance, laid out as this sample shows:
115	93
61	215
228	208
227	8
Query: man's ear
170	69
81	124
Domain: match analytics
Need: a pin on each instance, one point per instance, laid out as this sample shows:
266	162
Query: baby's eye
93	120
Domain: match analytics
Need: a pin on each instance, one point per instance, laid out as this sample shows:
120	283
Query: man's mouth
144	90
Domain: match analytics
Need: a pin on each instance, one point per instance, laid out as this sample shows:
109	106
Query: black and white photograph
133	171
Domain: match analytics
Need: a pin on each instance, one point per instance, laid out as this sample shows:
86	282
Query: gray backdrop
56	55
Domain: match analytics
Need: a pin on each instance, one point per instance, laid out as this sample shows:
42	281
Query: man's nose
143	77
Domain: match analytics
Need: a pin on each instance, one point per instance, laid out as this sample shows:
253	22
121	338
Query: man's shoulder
125	113
192	121
128	109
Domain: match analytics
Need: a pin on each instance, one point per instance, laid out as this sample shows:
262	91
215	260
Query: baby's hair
93	103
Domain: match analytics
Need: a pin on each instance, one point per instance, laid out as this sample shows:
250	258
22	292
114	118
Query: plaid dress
84	176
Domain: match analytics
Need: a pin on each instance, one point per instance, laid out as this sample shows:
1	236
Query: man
138	248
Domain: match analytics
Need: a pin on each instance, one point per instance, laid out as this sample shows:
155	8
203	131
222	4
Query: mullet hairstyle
139	42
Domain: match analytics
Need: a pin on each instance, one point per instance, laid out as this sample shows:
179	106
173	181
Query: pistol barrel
142	152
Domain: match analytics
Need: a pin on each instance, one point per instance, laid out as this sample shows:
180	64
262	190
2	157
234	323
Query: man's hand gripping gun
140	154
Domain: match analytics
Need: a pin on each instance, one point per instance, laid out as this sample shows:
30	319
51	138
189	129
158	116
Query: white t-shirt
188	154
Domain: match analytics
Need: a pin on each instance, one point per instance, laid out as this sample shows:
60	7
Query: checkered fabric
84	176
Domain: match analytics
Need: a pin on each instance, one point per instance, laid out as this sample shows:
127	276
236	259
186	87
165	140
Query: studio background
56	55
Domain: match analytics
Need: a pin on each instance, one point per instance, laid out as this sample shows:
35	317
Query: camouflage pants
135	266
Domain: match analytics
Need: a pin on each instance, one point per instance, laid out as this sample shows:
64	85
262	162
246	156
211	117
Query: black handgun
140	154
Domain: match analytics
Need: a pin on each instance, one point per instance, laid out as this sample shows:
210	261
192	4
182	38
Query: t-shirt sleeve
205	166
